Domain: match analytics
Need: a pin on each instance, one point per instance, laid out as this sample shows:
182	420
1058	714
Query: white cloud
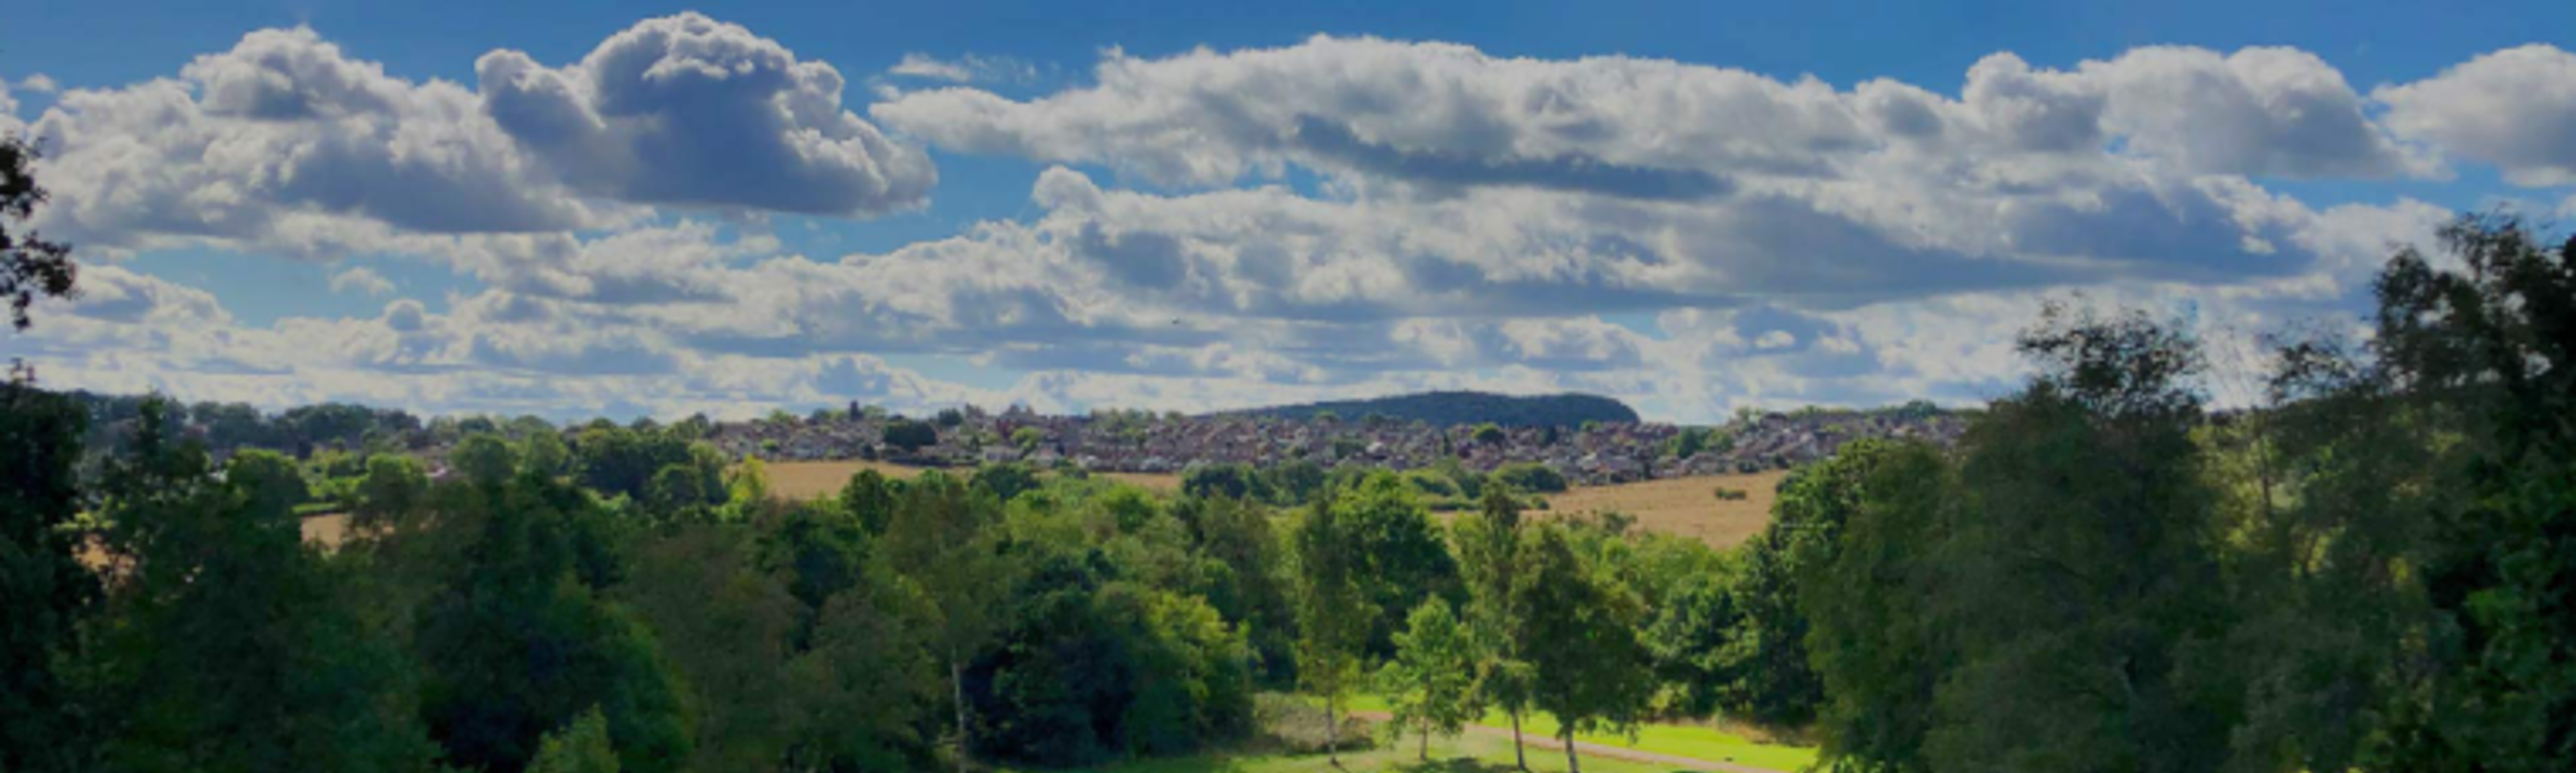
363	280
288	146
971	68
686	110
2514	108
1479	222
1442	116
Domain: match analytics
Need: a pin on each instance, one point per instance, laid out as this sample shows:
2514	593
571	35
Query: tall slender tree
1489	552
1333	611
1431	679
945	538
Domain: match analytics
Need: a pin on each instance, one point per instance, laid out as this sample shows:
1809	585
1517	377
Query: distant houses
1160	443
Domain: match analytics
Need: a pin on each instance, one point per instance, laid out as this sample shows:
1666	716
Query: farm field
1683	506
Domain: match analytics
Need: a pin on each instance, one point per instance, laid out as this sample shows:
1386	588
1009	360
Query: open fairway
1687	507
1694	741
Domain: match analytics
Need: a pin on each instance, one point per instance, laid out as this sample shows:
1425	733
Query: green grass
1694	741
1464	754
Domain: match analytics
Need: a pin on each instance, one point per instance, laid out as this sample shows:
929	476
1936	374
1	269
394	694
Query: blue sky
578	208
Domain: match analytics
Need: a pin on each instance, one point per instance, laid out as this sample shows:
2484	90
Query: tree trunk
957	690
1573	764
1426	716
1332	734
1519	757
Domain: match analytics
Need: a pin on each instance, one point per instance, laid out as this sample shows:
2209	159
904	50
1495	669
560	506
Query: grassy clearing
1694	741
1464	754
1687	507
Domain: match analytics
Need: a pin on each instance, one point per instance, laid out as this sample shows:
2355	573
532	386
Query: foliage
1431	680
30	266
581	747
1588	668
224	621
1402	558
521	640
1531	477
1005	481
1334	611
43	587
910	436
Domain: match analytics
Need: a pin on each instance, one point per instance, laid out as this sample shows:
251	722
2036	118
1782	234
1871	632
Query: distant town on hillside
1566	433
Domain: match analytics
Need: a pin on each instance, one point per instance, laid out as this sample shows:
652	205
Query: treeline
2373	570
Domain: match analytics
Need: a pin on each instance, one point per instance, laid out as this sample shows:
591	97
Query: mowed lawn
1693	741
1464	754
1686	507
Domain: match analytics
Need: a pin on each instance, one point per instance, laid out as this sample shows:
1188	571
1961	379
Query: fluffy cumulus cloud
2514	108
1687	237
1442	116
288	145
691	111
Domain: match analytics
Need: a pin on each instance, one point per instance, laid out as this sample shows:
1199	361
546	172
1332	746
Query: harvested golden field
327	529
808	480
1685	506
1163	482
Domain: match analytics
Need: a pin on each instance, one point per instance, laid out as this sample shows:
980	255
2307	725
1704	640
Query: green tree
42	584
520	641
747	485
30	267
1334	611
2486	353
2085	589
1403	560
581	747
1490	553
1430	683
728	630
1873	639
394	489
485	459
910	436
1005	481
944	539
869	497
1588	668
229	645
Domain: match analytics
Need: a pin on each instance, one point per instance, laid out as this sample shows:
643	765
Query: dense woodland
2374	569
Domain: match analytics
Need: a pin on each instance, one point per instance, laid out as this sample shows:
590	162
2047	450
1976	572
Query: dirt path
1594	749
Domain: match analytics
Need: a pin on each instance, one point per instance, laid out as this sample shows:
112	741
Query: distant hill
1453	408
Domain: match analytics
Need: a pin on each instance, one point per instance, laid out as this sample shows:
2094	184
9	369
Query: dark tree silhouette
29	265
